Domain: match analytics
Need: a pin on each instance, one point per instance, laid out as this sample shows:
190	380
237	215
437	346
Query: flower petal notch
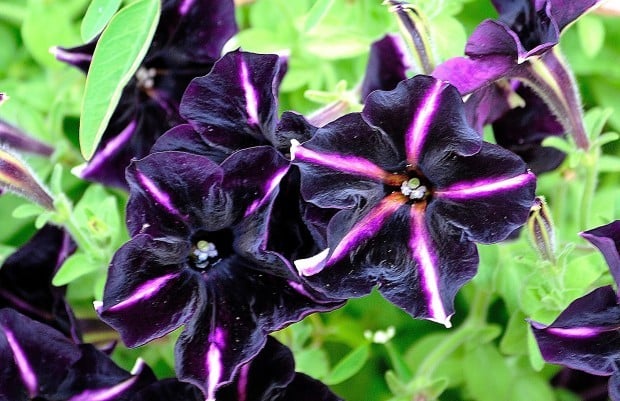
188	40
197	259
520	44
409	179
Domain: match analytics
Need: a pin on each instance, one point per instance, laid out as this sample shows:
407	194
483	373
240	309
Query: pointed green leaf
317	13
119	52
349	365
74	267
97	15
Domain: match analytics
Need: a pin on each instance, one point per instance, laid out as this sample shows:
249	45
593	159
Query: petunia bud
415	30
540	229
16	177
17	139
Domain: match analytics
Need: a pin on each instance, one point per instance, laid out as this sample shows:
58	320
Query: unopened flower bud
19	140
540	228
17	177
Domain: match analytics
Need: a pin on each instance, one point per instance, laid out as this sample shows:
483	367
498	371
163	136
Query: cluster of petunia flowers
243	222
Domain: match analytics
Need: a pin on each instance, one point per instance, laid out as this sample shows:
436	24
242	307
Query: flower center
146	77
414	189
210	248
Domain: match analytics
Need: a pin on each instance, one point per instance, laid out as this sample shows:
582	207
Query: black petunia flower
197	258
188	40
415	187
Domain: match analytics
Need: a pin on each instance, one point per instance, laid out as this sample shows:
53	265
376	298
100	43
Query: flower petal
487	195
586	335
607	239
234	106
416	116
387	65
149	293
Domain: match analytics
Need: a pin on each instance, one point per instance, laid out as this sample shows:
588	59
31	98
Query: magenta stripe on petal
418	130
346	164
105	394
272	184
575	332
421	247
110	149
366	228
143	292
482	188
25	370
242	383
185	5
214	362
251	97
158	195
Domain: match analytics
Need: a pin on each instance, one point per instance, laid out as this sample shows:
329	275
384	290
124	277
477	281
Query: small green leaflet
98	14
317	13
119	52
349	365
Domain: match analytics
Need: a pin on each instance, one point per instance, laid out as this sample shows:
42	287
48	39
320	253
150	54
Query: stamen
146	77
204	253
413	189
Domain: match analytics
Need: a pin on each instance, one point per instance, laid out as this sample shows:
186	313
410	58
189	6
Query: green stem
66	218
589	186
475	319
399	365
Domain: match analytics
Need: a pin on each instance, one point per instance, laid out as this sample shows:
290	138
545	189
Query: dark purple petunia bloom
586	336
270	376
39	363
415	187
197	258
520	45
235	107
188	40
388	63
26	280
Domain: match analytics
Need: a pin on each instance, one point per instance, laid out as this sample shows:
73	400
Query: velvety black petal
264	378
387	65
345	160
35	355
305	388
243	306
418	114
168	390
523	129
234	105
614	386
26	280
292	126
417	261
171	191
487	195
488	104
586	336
184	138
607	239
195	29
149	292
96	377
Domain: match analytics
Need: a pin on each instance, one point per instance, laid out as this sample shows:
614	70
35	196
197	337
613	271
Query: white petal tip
311	265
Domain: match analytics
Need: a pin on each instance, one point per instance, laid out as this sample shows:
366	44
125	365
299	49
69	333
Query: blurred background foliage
327	43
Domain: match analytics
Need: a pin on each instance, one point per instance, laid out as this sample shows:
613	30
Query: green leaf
478	364
74	267
531	387
558	143
514	341
27	210
119	52
98	14
349	365
317	13
313	362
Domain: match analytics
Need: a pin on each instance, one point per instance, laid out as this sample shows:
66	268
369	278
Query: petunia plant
261	200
